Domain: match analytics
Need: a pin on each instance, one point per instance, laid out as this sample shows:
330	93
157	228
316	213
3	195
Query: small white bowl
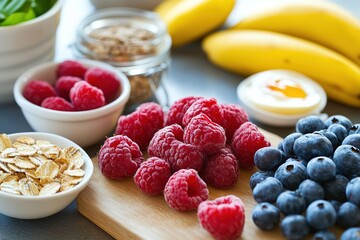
83	127
33	207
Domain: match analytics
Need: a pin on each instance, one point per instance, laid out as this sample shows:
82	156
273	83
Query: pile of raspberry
198	142
77	88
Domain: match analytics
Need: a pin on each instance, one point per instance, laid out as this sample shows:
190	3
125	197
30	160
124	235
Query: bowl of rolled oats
40	174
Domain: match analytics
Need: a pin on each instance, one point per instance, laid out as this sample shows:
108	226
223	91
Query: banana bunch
316	38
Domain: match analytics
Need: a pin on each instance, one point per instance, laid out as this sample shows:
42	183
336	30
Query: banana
188	20
250	51
322	22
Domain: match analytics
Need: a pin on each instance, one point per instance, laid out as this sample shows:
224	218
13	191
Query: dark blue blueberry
351	234
338	119
259	177
320	214
353	191
268	158
294	227
339	130
268	190
348	215
311	191
280	146
303	162
266	216
312	145
336	204
335	188
288	143
291	174
321	169
353	140
309	124
290	202
324	235
347	160
331	136
355	129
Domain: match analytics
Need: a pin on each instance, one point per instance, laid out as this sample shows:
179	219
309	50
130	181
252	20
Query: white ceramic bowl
32	207
25	45
83	127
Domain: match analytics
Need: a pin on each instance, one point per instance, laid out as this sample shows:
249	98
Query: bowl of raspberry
78	99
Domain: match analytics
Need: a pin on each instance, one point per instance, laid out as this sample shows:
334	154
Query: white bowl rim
76	115
79	187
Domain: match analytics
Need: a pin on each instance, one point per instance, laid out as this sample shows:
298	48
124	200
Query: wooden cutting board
123	211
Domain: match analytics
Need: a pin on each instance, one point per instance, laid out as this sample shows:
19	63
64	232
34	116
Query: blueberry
259	177
353	191
294	227
290	202
347	160
280	146
348	215
321	169
311	191
268	158
268	190
335	188
288	143
353	140
312	145
324	235
309	124
331	136
339	130
351	234
291	174
266	216
340	120
320	214
355	129
303	162
336	204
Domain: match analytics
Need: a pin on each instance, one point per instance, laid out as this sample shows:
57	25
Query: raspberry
71	68
86	97
167	144
105	80
36	91
152	175
204	134
208	106
222	169
177	110
233	116
223	218
246	141
119	157
185	190
64	84
141	124
57	103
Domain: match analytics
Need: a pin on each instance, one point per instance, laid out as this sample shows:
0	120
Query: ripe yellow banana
250	51
322	22
188	20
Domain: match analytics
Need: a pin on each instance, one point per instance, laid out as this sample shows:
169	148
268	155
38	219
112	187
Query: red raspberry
177	110
141	124
222	169
119	157
208	106
167	144
86	97
64	84
36	91
204	134
223	218
233	117
152	175
185	190
57	103
105	80
71	68
246	141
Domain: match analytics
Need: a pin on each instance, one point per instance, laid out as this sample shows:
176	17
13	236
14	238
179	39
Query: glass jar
133	40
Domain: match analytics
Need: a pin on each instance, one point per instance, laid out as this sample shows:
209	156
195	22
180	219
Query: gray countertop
190	74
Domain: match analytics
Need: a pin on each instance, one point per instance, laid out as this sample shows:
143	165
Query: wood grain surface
123	211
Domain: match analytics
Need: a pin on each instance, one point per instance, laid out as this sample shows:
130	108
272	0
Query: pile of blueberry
311	181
